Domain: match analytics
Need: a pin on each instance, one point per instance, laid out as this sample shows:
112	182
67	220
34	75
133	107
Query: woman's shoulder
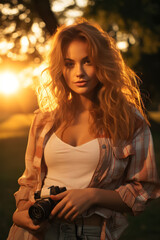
124	148
141	123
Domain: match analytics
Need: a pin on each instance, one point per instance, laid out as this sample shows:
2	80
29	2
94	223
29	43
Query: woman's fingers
74	217
57	208
64	211
33	227
59	196
71	214
72	203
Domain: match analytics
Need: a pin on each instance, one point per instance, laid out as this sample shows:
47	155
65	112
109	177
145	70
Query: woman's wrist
93	196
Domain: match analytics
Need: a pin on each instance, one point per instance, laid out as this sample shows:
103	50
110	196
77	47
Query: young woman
91	136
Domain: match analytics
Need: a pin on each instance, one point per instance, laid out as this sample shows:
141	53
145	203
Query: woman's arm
109	199
76	201
141	182
22	219
28	183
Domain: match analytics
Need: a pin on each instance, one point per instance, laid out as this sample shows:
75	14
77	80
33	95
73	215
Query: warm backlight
9	83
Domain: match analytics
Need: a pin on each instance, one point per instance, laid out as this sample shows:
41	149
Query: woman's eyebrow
69	59
85	58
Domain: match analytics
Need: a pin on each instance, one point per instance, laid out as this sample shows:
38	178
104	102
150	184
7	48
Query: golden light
24	44
9	83
82	3
122	45
73	13
5	46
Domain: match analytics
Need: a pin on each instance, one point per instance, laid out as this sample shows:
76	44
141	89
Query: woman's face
79	72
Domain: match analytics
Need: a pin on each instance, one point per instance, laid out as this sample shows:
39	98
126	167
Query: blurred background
25	30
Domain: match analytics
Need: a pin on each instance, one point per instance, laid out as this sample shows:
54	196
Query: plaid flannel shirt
129	169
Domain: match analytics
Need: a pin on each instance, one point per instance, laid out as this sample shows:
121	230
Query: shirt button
104	146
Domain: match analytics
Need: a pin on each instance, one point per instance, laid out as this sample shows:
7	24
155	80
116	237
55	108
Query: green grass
13	126
13	139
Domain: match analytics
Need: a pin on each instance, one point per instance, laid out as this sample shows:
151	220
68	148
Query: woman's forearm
109	199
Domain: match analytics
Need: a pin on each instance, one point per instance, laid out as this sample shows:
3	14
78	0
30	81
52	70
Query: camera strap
45	192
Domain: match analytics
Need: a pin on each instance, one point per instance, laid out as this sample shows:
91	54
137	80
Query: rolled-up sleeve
28	180
141	182
35	169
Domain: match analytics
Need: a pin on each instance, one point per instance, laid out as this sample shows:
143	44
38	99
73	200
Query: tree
25	27
135	25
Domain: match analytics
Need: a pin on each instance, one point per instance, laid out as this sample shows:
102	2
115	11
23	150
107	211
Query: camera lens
41	210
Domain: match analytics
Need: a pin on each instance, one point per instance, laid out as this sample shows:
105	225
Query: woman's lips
81	83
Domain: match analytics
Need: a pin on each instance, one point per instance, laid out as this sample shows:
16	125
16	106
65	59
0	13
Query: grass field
13	139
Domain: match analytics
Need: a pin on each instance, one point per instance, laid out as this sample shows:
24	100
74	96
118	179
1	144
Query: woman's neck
83	103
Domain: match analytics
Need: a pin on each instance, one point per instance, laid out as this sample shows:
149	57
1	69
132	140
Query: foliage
140	18
26	25
23	30
137	24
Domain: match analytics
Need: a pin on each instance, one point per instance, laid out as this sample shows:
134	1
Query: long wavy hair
117	96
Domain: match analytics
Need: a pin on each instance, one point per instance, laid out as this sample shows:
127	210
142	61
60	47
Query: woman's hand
22	219
73	203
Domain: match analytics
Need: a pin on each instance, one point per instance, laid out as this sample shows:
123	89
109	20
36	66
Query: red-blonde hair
117	97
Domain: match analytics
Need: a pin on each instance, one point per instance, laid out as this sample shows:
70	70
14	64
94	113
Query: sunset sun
9	83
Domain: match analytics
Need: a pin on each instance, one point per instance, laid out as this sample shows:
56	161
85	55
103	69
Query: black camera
43	206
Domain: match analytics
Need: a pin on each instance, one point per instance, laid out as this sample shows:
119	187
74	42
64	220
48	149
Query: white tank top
69	166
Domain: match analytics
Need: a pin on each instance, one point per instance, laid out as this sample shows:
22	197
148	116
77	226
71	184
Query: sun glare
8	83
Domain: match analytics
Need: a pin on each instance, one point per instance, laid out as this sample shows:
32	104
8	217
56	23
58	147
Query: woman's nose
79	71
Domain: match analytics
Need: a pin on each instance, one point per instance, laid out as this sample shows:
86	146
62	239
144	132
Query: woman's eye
69	64
87	62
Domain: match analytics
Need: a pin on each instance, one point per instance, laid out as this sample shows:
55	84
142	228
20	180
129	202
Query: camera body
43	206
